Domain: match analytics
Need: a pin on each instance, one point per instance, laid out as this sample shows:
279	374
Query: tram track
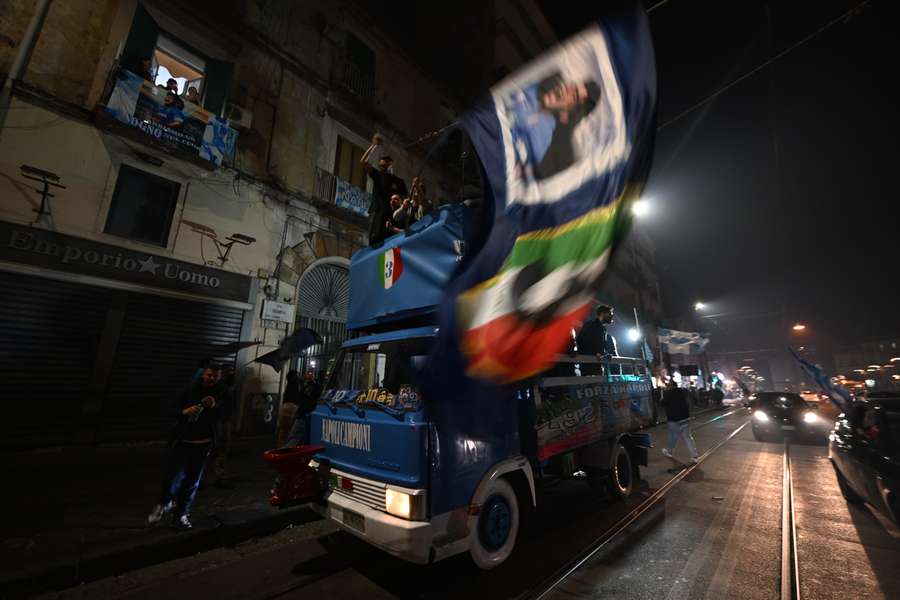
623	526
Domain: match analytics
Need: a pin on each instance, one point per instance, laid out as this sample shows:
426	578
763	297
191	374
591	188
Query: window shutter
141	42
218	82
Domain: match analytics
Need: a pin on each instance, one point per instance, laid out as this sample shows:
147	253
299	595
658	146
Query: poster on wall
170	118
351	197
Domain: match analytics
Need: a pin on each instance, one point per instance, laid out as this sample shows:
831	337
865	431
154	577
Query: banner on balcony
351	197
169	118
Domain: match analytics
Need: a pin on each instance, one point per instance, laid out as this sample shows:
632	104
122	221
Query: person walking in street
289	404
678	414
198	410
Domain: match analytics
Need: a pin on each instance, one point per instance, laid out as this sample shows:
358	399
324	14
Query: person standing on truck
595	339
384	185
678	414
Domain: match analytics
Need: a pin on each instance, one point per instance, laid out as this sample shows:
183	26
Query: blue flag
839	396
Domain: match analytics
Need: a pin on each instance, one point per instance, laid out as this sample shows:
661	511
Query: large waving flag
839	396
673	341
565	145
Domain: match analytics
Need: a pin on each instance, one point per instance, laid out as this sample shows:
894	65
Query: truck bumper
409	540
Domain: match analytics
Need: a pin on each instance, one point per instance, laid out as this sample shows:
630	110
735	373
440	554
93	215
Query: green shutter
218	83
141	42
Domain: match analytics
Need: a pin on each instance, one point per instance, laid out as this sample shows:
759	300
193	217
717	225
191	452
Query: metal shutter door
49	334
161	342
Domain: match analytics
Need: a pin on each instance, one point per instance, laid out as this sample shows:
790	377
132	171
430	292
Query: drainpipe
20	64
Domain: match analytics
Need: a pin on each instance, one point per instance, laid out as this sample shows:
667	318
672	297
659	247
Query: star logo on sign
148	266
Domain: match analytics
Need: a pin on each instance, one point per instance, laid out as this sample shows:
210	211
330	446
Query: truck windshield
390	367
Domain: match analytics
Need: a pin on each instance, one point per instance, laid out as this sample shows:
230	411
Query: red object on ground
297	482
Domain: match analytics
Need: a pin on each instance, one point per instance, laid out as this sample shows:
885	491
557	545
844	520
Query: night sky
772	202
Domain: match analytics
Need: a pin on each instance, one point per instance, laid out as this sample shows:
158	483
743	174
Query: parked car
776	414
864	449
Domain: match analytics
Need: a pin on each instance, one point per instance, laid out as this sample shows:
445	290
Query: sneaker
159	511
183	523
667	453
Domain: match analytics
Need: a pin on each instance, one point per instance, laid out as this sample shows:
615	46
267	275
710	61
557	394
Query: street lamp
633	334
799	327
640	208
699	306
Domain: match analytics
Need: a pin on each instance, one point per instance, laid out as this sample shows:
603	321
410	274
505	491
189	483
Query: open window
158	55
143	206
347	163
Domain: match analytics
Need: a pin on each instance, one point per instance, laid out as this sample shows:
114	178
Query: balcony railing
357	81
334	190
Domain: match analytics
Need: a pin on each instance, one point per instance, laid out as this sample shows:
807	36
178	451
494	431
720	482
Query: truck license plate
355	520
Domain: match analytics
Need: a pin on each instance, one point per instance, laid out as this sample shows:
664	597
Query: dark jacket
678	407
594	339
203	426
310	391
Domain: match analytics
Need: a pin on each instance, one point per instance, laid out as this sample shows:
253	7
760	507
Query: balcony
140	110
330	188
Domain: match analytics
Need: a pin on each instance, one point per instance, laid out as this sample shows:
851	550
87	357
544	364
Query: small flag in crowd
565	146
839	396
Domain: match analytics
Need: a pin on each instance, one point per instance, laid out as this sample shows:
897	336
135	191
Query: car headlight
810	417
404	504
760	416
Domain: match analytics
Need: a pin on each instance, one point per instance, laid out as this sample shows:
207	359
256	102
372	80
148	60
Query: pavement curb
227	528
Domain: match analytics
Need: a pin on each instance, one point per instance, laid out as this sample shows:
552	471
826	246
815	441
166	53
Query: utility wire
778	56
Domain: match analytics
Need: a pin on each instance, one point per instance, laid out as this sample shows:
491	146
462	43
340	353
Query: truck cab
399	474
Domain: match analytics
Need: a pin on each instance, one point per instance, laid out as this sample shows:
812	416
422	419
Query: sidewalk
77	514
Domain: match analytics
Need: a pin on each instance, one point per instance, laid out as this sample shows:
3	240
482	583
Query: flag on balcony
565	146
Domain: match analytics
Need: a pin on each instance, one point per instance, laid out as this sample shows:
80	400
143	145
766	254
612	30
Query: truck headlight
405	504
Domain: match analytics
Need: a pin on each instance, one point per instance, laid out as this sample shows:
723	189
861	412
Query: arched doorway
323	297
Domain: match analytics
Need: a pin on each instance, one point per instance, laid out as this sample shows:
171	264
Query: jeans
683	429
184	470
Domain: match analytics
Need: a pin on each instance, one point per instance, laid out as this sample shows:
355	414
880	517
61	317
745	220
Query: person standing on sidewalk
198	410
310	391
223	425
678	414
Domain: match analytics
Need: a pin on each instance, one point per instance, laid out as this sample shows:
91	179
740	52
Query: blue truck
425	488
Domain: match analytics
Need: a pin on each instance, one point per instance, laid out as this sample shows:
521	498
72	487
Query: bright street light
639	208
699	306
634	335
799	327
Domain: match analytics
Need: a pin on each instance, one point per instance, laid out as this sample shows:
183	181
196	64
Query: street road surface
715	533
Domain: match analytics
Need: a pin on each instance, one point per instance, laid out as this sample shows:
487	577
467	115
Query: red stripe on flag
398	264
509	349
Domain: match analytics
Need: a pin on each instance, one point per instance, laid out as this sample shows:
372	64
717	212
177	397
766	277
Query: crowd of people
393	207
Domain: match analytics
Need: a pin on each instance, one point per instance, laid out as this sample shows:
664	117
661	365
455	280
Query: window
142	206
359	68
347	165
171	60
171	57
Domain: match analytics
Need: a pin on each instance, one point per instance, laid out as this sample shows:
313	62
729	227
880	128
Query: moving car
776	414
864	449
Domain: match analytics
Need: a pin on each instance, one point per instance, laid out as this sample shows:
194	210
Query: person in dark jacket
198	411
310	391
223	429
595	339
678	414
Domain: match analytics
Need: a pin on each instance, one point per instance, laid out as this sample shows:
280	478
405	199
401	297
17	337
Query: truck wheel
494	535
621	476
